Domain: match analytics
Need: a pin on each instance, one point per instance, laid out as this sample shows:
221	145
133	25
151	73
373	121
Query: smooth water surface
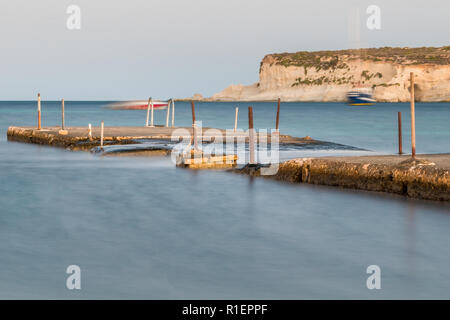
140	228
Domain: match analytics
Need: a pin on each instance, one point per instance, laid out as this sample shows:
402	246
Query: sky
175	48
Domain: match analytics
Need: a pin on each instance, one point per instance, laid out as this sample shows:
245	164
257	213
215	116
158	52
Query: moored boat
360	97
138	105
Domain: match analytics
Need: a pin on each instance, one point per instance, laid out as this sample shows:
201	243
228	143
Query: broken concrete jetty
426	177
77	138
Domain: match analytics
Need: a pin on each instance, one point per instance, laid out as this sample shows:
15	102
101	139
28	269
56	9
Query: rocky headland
329	75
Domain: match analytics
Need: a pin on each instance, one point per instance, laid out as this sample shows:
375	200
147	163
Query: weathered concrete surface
426	178
77	137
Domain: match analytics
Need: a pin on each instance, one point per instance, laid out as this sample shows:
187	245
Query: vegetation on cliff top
322	80
325	60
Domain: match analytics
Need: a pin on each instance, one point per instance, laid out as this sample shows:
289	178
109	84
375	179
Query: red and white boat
138	105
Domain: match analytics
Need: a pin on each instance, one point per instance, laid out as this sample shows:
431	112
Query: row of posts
102	131
251	129
150	107
277	122
39	113
63	131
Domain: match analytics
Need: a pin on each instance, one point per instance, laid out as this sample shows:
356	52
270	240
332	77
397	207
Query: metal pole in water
62	114
278	115
168	113
251	138
151	121
193	112
173	113
101	133
400	139
413	118
148	112
39	111
236	119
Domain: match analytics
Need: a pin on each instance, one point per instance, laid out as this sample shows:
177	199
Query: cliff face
329	75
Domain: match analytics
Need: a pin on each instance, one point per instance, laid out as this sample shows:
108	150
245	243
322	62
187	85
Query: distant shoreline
208	100
294	101
327	76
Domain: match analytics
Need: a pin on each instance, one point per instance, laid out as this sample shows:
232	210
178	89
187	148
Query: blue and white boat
360	97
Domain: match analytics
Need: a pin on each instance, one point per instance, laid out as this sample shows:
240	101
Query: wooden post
251	136
278	116
62	114
193	112
148	112
400	139
168	113
101	133
173	113
90	132
236	119
39	111
413	118
151	120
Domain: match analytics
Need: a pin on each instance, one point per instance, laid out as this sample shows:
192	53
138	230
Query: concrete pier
426	177
77	138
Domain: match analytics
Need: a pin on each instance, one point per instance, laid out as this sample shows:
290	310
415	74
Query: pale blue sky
174	48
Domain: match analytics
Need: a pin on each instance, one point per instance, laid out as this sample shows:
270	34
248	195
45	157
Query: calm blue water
140	228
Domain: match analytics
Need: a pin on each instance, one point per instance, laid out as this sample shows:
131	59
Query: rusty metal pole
278	116
400	138
193	112
413	118
250	118
251	136
39	111
62	114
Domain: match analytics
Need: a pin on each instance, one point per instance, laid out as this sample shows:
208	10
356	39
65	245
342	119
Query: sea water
141	228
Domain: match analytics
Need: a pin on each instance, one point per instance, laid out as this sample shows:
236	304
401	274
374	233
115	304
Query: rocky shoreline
52	138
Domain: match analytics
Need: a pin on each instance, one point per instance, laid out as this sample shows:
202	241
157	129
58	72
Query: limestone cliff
329	75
